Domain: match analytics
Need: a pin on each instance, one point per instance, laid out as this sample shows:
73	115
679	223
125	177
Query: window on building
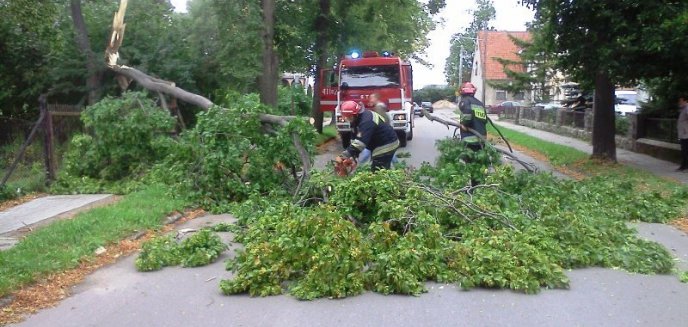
500	95
519	96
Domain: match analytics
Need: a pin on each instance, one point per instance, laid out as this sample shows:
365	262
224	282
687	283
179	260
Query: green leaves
199	249
228	155
392	231
126	135
324	254
157	253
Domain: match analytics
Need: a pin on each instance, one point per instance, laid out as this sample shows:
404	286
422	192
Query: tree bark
95	73
268	80
158	85
321	48
604	129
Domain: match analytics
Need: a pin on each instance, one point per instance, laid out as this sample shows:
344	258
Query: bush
228	155
6	193
293	101
126	136
622	125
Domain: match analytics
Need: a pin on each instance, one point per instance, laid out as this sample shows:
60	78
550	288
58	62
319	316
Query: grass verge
568	158
64	244
329	132
558	155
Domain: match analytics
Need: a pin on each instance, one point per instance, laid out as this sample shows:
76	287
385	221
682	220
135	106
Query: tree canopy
612	43
482	18
213	48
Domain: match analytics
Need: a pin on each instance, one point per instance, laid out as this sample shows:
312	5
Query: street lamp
458	81
461	55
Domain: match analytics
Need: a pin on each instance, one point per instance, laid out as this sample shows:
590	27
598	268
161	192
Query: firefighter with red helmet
371	132
473	115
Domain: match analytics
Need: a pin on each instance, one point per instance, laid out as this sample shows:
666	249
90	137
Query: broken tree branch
165	87
529	167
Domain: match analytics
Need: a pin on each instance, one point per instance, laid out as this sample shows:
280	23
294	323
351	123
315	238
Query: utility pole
460	65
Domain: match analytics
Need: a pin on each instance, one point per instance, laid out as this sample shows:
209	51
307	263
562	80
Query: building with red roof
487	70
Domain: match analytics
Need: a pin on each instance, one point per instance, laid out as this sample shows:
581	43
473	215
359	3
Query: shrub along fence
636	132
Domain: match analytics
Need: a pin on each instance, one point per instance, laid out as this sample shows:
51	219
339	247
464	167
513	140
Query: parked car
549	105
625	102
417	109
427	106
498	109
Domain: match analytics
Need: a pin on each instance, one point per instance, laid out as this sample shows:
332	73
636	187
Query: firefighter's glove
344	155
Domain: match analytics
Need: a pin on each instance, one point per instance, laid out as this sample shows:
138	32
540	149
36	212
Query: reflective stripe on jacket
371	132
473	115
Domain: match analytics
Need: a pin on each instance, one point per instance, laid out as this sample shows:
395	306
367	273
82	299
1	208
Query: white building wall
477	74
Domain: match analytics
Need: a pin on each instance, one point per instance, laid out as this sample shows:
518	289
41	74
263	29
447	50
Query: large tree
94	67
608	43
322	46
28	38
482	18
268	79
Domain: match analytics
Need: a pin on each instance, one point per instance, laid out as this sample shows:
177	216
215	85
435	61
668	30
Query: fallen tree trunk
166	87
433	118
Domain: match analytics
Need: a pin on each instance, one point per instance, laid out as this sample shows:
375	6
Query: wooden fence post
20	155
48	151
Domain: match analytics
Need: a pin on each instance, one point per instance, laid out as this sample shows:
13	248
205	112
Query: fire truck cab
357	76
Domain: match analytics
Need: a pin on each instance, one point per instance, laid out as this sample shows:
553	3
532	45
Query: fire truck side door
328	90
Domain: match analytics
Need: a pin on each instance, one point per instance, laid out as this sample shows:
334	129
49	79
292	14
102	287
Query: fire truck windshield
370	76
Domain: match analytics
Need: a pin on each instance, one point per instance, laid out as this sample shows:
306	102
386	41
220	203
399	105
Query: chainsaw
344	166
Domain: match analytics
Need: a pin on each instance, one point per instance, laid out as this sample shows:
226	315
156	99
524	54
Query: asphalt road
117	295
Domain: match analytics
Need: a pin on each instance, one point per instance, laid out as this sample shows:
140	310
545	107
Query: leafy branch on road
391	231
199	249
529	167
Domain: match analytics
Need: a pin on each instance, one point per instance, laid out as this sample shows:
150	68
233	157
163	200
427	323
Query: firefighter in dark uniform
372	133
474	116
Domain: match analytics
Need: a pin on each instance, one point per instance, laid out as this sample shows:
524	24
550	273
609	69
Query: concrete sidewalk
637	160
43	210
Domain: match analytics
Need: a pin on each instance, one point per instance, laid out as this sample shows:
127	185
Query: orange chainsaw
344	166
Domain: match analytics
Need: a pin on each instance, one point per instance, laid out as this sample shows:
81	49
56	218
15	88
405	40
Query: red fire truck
357	76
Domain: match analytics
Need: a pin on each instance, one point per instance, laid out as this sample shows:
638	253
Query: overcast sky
511	16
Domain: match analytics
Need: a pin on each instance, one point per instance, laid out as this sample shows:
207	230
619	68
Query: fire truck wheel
346	139
402	138
409	136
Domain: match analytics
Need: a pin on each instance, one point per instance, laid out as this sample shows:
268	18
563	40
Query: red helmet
467	88
350	108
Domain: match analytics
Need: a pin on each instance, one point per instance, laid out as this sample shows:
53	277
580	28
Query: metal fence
528	113
579	119
548	116
662	129
509	112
